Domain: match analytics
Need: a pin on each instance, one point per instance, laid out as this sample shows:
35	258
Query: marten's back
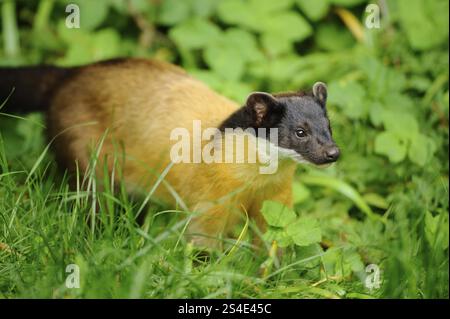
140	93
138	102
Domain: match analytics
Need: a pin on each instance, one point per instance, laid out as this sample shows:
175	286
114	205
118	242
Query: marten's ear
261	105
320	92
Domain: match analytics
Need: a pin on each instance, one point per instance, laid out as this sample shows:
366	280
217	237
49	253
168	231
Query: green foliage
286	228
431	16
304	231
315	10
276	214
385	201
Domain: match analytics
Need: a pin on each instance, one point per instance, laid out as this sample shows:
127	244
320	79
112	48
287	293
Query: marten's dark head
304	132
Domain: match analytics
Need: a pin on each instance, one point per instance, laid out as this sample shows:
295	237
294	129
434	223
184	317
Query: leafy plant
385	202
286	228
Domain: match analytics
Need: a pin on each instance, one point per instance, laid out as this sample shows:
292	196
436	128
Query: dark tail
29	88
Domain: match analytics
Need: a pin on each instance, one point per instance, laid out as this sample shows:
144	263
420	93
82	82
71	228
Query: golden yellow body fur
138	103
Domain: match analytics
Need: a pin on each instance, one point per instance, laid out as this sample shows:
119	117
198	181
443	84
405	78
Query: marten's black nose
332	153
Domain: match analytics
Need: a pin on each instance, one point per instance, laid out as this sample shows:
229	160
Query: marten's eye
300	133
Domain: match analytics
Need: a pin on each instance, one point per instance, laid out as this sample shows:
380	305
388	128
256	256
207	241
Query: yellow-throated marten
138	103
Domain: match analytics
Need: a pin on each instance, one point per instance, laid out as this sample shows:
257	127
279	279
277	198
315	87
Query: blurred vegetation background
388	104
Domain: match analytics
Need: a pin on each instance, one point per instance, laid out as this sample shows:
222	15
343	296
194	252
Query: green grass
385	202
44	227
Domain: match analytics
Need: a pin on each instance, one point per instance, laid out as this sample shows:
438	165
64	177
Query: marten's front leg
212	223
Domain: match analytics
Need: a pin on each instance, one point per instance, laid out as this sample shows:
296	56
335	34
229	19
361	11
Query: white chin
296	157
299	159
287	153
